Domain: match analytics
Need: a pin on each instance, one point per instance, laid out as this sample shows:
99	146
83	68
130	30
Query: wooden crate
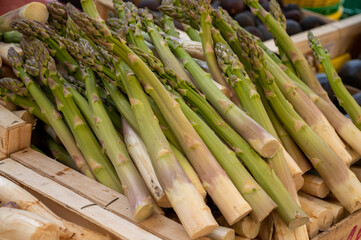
70	205
15	134
102	196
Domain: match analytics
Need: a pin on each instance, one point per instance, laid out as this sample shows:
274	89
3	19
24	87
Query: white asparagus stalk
10	191
242	238
314	186
338	211
140	157
355	156
222	233
17	224
295	170
282	232
312	227
31	11
247	227
323	215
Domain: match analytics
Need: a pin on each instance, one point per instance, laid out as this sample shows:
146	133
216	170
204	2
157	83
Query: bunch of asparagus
132	108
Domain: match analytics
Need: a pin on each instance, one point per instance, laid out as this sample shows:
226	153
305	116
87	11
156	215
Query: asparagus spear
32	11
260	202
340	180
254	134
59	153
218	184
189	205
11	37
57	17
15	86
65	103
344	97
52	115
192	33
168	26
344	126
294	54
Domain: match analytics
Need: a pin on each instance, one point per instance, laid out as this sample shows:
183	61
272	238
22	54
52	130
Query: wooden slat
103	196
347	229
118	226
15	134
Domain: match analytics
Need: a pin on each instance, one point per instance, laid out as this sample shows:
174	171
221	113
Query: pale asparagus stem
344	127
165	54
222	233
192	47
312	227
141	204
247	227
31	11
293	52
68	230
354	154
266	230
263	142
139	154
218	185
341	181
189	171
338	212
282	232
259	201
21	224
52	115
188	204
294	170
323	215
344	97
315	186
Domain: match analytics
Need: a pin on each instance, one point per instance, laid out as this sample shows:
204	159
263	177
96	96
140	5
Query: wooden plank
118	226
103	196
347	229
15	134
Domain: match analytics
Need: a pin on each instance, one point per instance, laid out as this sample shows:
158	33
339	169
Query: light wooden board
347	229
103	196
15	134
116	225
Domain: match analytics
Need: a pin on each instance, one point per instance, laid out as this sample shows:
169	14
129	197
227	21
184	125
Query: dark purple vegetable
151	4
244	19
294	14
265	33
293	27
357	97
350	73
310	22
215	4
255	31
291	6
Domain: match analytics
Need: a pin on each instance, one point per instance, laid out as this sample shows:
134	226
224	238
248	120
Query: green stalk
11	37
134	188
192	33
162	48
294	54
59	153
344	126
339	179
52	115
87	142
219	186
168	26
189	205
254	134
261	203
344	97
